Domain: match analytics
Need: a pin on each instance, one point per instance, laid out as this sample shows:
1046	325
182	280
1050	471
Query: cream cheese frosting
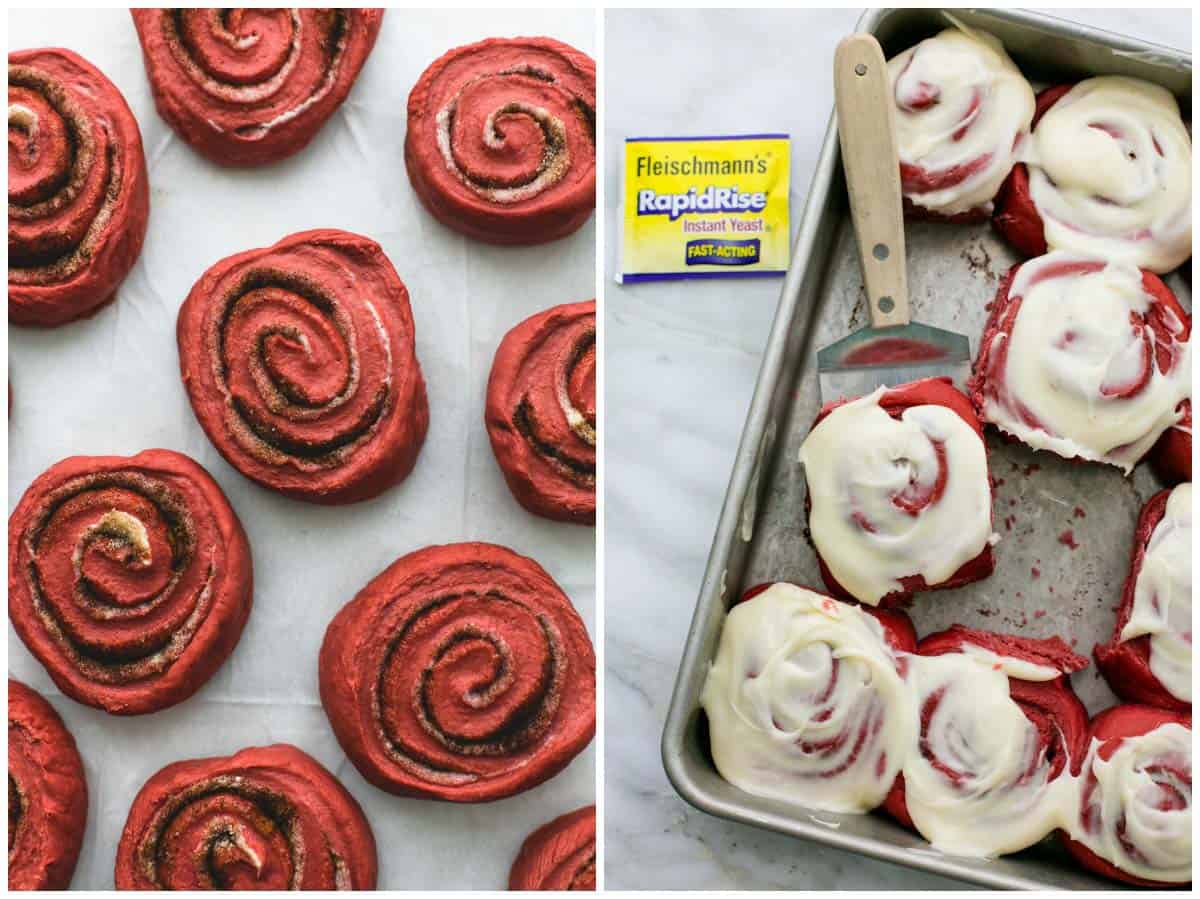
808	704
1110	172
963	109
1071	356
1162	599
795	673
871	479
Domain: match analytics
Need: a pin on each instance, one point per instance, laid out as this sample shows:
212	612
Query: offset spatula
892	350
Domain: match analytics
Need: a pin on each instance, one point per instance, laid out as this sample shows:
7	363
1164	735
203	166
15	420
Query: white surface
111	385
681	359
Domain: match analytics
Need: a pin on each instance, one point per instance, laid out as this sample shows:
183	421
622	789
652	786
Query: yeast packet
704	207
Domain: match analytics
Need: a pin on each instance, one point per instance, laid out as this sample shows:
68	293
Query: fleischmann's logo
708	201
694	165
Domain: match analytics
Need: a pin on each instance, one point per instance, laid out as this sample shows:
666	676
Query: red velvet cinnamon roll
1106	174
1149	658
129	579
300	363
47	794
501	142
461	673
541	412
560	855
267	818
962	112
806	699
1087	359
898	493
78	196
999	724
1131	819
1171	457
250	86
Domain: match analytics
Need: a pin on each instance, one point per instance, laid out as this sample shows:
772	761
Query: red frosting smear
78	195
1052	706
1163	330
246	87
501	141
541	412
267	818
560	855
1126	666
47	794
300	363
462	673
1110	727
129	579
892	351
929	391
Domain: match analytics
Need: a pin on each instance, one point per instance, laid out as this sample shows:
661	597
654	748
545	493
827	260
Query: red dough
267	818
541	412
47	794
1171	457
560	855
987	376
246	87
78	195
1126	666
501	142
129	579
1016	217
1052	706
461	673
929	391
1110	727
300	363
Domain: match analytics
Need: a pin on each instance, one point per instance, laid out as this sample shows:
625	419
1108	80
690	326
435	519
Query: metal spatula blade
892	350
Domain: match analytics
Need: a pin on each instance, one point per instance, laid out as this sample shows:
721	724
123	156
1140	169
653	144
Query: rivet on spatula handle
867	133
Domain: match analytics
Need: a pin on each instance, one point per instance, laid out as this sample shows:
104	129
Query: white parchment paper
110	385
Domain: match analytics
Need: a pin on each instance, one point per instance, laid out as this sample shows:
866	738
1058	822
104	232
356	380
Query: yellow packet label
705	207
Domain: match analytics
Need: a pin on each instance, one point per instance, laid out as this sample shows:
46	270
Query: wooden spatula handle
867	132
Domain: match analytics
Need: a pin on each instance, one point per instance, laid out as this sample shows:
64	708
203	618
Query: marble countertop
680	365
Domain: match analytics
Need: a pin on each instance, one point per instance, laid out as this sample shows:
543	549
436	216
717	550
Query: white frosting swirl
1073	352
979	784
962	110
874	484
1110	171
805	703
1162	598
1134	809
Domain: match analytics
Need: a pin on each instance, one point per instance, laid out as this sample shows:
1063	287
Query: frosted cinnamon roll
898	492
1130	816
963	110
1149	658
999	728
1106	173
806	702
1085	358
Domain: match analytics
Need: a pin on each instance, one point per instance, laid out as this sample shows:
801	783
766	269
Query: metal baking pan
1072	523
